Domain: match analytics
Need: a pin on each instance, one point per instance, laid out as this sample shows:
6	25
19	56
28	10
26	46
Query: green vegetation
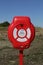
5	24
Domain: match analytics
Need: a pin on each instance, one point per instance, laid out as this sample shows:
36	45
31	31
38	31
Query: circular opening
21	33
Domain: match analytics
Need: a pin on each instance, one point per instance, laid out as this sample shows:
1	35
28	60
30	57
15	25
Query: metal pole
21	57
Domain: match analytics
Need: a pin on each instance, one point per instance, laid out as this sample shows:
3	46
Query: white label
22	39
15	33
28	33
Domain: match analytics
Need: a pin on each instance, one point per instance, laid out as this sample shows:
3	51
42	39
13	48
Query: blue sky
31	8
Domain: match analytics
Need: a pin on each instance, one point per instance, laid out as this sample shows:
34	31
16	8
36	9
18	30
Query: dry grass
32	56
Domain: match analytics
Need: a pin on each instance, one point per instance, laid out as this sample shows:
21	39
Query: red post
21	57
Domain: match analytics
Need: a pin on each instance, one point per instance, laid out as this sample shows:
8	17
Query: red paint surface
17	21
21	58
26	24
